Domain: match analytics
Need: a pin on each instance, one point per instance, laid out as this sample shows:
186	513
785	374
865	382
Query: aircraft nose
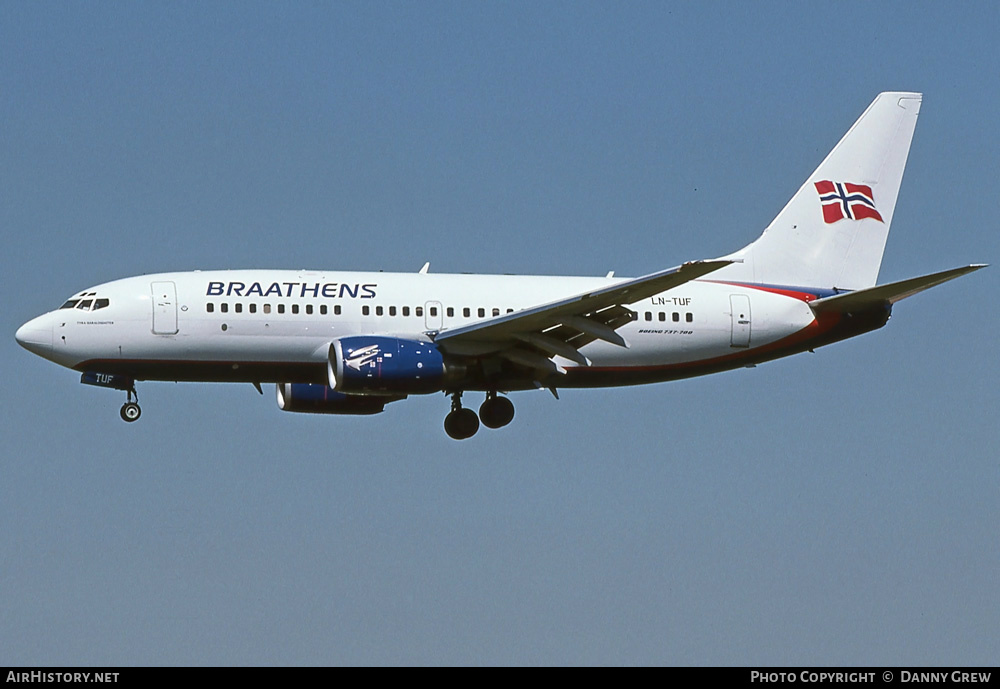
35	336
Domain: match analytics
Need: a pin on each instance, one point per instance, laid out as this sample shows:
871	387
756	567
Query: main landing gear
130	410
496	412
462	423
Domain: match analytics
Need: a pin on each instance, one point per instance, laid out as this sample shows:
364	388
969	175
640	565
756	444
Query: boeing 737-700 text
349	343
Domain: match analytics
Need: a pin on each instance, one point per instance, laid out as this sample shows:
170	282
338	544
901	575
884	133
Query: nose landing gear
130	410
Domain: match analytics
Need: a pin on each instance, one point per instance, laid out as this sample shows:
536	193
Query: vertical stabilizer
832	233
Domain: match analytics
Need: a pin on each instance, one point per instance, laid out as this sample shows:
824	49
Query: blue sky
832	508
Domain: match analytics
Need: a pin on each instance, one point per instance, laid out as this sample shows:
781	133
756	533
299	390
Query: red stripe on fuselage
784	291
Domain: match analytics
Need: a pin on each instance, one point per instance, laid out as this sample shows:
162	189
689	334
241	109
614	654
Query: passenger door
164	308
740	313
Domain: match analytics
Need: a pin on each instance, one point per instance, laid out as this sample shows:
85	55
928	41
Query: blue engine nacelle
319	399
385	365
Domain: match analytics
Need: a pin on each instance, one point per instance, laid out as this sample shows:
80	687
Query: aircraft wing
890	293
530	337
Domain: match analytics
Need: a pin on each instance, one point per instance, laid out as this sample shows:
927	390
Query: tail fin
833	231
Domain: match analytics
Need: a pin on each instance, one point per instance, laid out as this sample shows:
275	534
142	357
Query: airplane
336	342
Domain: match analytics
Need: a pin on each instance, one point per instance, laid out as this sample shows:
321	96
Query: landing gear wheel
496	412
130	412
461	424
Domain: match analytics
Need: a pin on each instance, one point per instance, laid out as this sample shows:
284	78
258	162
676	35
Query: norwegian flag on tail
845	200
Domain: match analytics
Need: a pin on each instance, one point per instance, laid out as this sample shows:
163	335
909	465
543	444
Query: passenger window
365	310
663	316
379	310
336	310
281	308
210	307
496	311
418	311
322	309
676	317
309	309
406	310
450	312
510	310
238	308
392	310
434	311
689	318
253	308
481	312
224	307
466	312
267	308
649	316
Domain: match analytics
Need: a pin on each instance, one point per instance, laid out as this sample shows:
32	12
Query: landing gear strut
496	411
461	423
130	410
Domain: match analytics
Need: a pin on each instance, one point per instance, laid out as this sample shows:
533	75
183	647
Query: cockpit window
86	304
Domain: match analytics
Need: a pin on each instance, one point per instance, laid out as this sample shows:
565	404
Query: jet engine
385	365
319	399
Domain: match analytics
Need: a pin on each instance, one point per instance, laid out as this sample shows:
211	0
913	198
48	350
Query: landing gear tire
496	412
461	423
130	412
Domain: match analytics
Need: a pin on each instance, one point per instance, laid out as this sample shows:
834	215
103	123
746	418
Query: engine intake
319	399
385	365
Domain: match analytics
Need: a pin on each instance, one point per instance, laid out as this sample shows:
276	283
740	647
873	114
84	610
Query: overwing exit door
433	315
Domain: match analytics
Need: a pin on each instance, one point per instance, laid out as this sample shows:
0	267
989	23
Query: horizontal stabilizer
888	294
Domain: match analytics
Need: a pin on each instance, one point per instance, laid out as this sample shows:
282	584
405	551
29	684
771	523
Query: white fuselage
276	326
